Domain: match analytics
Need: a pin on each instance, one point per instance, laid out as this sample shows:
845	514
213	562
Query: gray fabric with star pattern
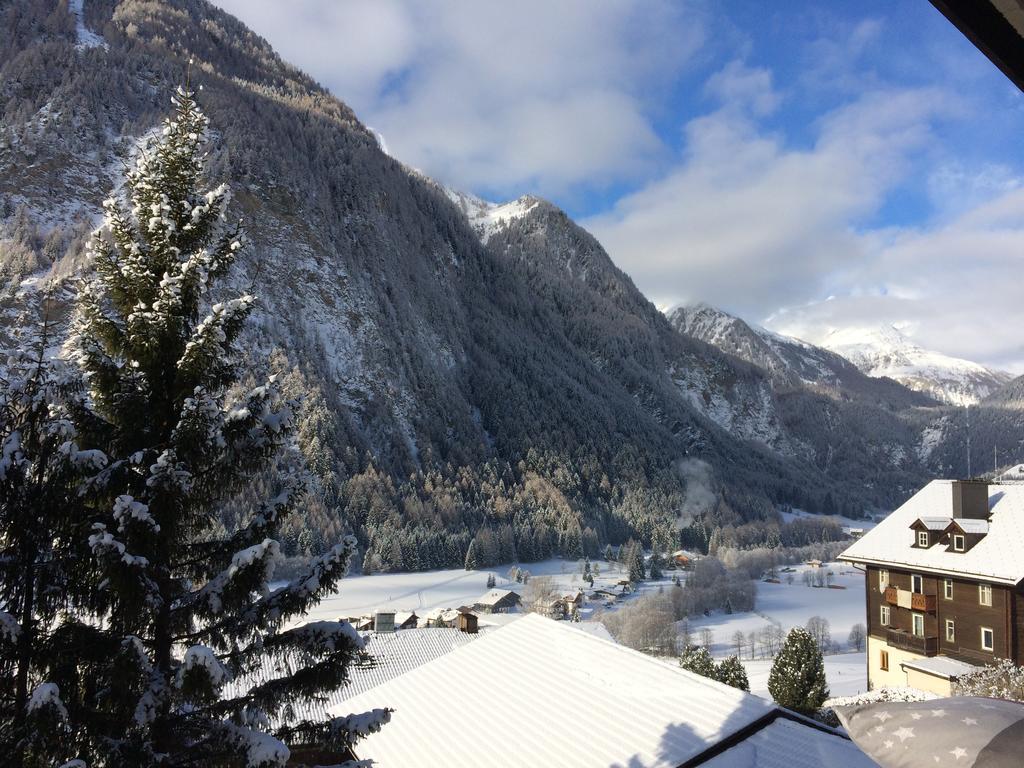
963	731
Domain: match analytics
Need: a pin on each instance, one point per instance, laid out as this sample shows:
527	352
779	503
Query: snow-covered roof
968	525
940	666
998	557
394	654
1014	474
528	675
786	743
495	596
935	523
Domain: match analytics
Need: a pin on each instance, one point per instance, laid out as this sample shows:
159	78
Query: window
883	661
917	583
883	579
947	589
885	616
958	542
950	631
988	639
918	622
922	538
985	594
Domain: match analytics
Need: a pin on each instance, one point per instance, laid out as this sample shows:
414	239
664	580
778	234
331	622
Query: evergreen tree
41	537
490	581
632	555
184	603
609	553
472	561
797	679
732	672
655	566
697	659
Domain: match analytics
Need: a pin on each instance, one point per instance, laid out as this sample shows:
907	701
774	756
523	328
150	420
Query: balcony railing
918	602
900	638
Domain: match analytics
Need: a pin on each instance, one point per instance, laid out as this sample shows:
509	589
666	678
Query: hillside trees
182	603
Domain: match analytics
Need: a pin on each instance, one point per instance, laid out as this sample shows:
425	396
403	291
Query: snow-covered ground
786	605
86	37
846	674
791	605
423	591
846	522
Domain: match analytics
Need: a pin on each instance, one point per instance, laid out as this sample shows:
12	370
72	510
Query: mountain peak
886	351
486	217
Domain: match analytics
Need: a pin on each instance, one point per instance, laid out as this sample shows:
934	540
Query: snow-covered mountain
791	362
485	217
885	351
428	328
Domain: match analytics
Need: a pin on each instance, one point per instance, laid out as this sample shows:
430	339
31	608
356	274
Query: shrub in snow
797	678
184	603
695	658
1001	680
732	672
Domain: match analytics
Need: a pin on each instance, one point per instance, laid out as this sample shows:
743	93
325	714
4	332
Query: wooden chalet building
945	584
498	601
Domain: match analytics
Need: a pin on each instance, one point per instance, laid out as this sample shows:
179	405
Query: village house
498	601
945	584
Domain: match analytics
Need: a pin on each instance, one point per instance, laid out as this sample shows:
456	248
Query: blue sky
807	165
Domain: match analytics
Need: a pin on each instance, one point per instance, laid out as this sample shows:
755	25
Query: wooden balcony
918	602
900	638
922	602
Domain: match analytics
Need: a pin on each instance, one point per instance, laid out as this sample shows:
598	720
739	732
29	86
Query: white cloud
507	97
954	287
744	222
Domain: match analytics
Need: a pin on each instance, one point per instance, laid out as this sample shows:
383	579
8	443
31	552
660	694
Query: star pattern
904	733
939	713
958	752
883	716
969	721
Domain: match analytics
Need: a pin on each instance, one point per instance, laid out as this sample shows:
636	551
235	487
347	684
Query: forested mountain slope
467	370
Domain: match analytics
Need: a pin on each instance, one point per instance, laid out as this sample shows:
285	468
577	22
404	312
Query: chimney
970	499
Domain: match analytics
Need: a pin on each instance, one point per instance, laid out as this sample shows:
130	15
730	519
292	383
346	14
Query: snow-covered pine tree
797	679
655	567
472	561
632	555
187	604
41	536
732	672
696	658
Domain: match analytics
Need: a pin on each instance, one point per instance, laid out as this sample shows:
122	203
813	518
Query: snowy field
426	590
791	605
846	522
786	605
846	674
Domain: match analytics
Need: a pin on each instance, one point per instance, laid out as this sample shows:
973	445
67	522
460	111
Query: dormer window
922	539
959	542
